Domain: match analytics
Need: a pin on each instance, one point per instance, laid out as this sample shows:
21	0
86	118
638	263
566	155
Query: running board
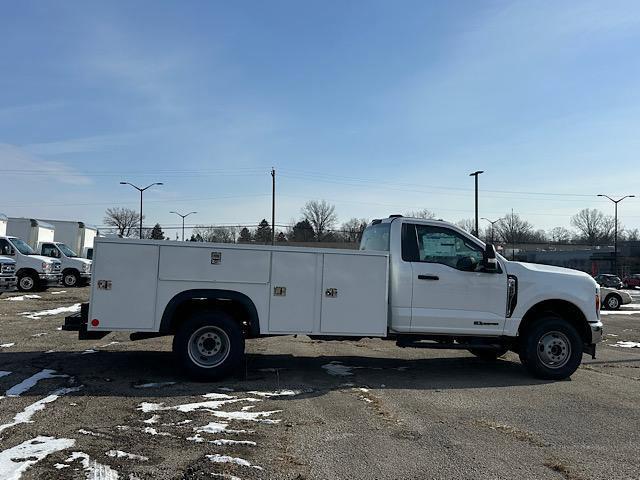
447	346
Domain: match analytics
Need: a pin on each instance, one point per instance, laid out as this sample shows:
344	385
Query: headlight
46	266
86	267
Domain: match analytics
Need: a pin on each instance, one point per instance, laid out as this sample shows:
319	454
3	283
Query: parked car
608	280
612	299
632	281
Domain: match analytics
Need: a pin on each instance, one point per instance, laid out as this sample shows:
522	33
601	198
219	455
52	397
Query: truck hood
44	259
6	260
514	267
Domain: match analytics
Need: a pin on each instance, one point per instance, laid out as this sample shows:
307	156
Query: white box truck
78	236
30	230
420	283
3	224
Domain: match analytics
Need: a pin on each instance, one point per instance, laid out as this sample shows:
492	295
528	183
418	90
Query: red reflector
95	322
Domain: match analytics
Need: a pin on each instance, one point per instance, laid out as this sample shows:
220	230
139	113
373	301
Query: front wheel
489	354
71	279
27	282
551	349
209	345
612	302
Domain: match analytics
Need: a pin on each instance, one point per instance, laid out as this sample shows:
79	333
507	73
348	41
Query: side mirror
467	264
490	263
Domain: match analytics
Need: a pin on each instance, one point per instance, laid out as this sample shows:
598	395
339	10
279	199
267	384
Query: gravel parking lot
305	409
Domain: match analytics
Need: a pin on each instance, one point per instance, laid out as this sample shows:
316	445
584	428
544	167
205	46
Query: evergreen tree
245	235
302	232
281	237
263	233
157	233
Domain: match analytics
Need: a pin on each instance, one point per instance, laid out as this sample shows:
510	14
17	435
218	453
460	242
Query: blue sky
378	107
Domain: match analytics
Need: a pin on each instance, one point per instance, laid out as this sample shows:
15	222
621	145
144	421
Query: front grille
57	267
9	269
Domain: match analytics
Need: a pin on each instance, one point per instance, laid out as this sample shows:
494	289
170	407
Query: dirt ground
305	409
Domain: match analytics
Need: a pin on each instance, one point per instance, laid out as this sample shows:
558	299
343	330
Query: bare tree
321	215
594	226
632	235
424	213
352	229
215	234
513	229
560	235
123	220
467	224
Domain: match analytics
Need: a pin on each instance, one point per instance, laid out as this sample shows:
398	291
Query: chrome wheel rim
26	283
613	303
554	349
70	280
209	346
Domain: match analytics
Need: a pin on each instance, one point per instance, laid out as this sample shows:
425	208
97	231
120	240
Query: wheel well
567	310
26	271
239	306
69	269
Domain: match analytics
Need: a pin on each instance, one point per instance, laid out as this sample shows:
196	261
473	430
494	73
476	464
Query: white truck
420	283
3	224
78	236
8	280
34	272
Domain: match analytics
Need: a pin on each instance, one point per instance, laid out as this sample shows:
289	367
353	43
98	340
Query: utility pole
141	190
492	222
273	206
475	174
615	234
183	217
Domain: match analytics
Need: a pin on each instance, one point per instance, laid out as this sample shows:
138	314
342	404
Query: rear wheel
27	282
209	345
489	354
612	302
551	349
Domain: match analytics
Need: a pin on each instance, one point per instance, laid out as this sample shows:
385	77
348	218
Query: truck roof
34	222
78	223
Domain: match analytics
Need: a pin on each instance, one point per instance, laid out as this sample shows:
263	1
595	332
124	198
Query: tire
489	355
28	282
612	301
209	345
71	278
551	348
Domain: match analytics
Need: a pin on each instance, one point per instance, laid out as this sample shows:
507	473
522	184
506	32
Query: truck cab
8	280
76	271
34	272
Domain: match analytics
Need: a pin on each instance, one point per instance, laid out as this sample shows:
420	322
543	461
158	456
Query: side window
5	247
445	246
49	250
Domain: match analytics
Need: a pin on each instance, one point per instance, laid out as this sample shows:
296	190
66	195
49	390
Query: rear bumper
8	283
77	322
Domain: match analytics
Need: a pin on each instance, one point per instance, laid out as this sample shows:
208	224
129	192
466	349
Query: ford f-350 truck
8	279
421	283
34	272
76	271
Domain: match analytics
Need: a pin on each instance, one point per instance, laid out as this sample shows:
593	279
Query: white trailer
421	283
78	236
30	230
3	225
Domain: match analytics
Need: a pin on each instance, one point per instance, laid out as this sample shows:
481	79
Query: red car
632	281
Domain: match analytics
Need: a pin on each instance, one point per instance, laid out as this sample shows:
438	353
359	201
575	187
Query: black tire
28	282
489	354
551	348
71	278
612	301
209	345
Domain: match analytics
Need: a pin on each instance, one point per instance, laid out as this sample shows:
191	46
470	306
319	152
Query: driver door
448	295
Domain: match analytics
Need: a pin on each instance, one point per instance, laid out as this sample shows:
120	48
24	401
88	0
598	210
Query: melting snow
21	298
226	459
224	441
7	345
153	419
25	415
248	416
121	454
55	311
4	373
58	293
277	393
627	344
31	382
39	334
215	427
93	470
153	385
16	460
108	344
60	466
90	433
338	369
86	352
147	407
618	312
153	431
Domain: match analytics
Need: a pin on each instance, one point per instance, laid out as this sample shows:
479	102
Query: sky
378	107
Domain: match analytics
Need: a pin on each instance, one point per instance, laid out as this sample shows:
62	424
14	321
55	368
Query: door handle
428	277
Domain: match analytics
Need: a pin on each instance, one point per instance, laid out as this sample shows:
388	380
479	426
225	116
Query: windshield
376	237
67	251
22	247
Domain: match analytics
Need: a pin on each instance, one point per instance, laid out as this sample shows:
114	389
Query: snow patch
277	393
4	373
215	427
16	460
153	419
626	344
58	293
337	369
153	385
31	382
90	433
55	311
93	470
21	298
248	416
107	344
225	441
39	334
618	312
7	345
130	456
29	411
227	459
153	431
87	352
147	407
60	466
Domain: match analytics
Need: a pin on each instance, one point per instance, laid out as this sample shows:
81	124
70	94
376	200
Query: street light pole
141	190
492	222
475	174
183	217
615	234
